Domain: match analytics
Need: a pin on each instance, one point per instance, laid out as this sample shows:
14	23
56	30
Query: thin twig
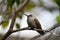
55	26
27	28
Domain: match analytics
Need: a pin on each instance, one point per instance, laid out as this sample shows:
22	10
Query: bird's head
28	15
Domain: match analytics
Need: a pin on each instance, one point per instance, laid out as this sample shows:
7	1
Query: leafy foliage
17	2
10	10
5	23
17	25
58	2
58	19
29	6
20	15
10	2
1	36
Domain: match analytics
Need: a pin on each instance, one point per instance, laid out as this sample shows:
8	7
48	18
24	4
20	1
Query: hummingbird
34	23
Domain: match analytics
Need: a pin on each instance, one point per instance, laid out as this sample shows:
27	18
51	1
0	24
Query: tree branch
2	2
27	28
55	26
14	18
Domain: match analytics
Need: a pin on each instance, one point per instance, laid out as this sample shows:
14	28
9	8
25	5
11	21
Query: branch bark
54	27
27	28
14	18
2	2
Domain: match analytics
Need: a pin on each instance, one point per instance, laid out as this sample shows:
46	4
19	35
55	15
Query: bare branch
16	12
55	26
22	6
27	28
6	35
2	2
14	18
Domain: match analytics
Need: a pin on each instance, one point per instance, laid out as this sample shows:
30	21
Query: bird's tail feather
41	32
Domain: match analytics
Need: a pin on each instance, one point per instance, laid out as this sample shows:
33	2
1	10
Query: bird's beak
25	14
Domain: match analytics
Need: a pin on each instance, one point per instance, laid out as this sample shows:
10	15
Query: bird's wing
37	24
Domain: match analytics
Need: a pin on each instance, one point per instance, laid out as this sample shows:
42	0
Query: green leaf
10	2
29	6
20	15
5	23
1	35
17	26
58	2
58	19
17	2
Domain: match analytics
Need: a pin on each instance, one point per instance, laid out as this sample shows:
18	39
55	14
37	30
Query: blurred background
46	11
